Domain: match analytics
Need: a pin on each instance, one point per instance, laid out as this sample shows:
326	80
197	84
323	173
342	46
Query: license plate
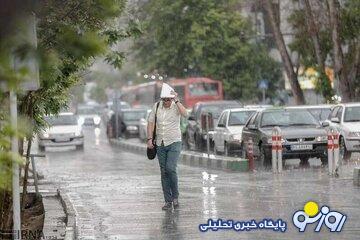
62	139
302	147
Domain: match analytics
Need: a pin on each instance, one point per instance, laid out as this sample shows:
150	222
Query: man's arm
181	108
150	128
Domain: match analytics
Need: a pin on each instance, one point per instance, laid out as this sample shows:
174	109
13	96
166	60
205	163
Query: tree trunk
313	31
26	175
289	68
340	73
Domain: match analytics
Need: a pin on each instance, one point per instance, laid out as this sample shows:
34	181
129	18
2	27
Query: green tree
71	34
316	41
207	38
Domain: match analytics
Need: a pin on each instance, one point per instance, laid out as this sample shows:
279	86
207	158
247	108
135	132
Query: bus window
203	89
180	91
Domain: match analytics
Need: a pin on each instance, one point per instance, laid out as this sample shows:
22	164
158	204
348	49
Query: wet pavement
117	195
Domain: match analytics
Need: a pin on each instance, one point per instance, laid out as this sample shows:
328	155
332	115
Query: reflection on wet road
117	195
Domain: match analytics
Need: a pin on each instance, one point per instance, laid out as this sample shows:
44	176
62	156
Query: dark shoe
176	203
167	206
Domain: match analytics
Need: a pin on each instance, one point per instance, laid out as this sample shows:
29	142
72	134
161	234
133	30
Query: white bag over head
166	91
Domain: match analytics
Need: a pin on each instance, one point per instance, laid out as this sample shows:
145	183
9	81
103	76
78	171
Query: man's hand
176	96
150	144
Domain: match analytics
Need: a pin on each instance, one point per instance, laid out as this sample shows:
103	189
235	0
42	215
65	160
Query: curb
357	176
70	230
191	158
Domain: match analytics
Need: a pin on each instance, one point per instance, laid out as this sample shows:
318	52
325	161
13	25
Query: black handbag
151	152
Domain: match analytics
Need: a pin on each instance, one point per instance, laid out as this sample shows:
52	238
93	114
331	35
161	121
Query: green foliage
71	34
207	38
350	33
98	94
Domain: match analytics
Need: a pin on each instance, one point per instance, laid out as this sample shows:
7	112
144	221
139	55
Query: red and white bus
190	90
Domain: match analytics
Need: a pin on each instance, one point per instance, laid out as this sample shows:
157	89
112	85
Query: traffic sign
264	84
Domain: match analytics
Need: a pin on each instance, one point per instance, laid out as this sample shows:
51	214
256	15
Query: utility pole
116	114
15	168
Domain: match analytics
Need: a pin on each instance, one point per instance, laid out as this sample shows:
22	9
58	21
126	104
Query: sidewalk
59	220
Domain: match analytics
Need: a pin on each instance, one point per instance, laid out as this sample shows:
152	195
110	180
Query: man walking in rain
168	141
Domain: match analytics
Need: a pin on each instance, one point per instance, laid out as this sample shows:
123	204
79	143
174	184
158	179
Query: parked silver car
346	119
227	133
302	135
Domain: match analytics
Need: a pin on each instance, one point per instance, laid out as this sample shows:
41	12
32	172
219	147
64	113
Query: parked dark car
128	123
302	135
195	136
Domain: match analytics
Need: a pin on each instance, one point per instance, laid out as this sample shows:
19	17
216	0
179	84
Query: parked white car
64	130
227	133
346	118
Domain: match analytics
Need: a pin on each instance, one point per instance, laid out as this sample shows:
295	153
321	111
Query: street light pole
15	168
116	114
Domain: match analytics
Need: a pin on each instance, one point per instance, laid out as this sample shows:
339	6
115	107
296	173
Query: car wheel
304	161
198	143
343	152
41	148
187	142
243	151
263	157
80	147
216	151
324	160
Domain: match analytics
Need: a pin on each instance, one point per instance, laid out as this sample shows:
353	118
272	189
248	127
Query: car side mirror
191	118
335	120
252	127
325	124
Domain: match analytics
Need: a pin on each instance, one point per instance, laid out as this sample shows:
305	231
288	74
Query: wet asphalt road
117	195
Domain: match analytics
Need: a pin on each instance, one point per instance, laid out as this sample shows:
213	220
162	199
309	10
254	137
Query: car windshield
239	118
121	105
352	114
288	118
321	114
61	120
216	110
203	89
134	116
86	110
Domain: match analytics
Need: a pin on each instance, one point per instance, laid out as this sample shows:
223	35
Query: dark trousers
168	157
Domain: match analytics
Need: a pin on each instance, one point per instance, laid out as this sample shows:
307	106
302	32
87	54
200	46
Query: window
221	119
333	113
257	120
239	118
352	114
203	89
252	120
339	113
224	120
288	118
61	120
180	91
320	114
